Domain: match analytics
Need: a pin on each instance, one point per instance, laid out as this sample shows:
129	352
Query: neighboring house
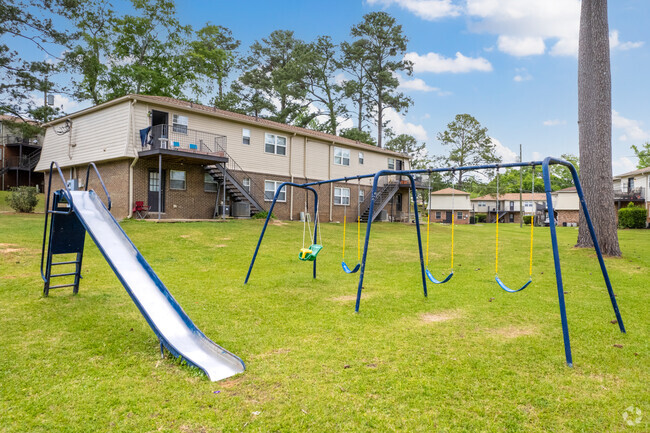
566	206
508	206
447	202
19	156
633	187
179	158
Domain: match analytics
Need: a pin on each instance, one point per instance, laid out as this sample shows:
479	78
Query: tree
643	153
383	46
357	89
213	58
469	142
147	53
358	135
407	144
595	127
322	89
19	78
561	176
274	72
86	58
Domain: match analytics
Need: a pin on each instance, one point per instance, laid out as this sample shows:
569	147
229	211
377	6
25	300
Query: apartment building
507	208
188	161
19	155
448	201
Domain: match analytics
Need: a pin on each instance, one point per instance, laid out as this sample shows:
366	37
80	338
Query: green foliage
407	144
356	89
560	175
480	217
358	135
527	219
262	215
632	217
23	199
382	45
469	144
643	153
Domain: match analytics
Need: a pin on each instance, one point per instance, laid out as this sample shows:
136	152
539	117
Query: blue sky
512	64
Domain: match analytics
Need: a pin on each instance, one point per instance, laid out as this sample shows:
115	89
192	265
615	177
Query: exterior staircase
382	198
234	187
27	162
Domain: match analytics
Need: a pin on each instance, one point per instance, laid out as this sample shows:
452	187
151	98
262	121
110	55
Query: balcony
17	140
179	142
629	194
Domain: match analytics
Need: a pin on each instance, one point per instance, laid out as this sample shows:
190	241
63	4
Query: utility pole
521	184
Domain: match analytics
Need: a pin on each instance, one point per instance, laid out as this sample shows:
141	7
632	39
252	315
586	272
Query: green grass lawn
469	358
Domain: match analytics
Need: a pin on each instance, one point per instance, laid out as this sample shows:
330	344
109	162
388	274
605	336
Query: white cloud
522	75
416	84
400	126
436	63
616	44
554	122
631	128
63	102
623	165
520	46
537	156
506	154
426	9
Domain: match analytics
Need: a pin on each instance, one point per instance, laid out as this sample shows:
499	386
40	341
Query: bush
527	219
262	215
632	217
480	217
23	199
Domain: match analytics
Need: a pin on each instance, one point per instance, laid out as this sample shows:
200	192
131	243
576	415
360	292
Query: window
341	156
362	196
270	186
511	217
360	158
179	124
209	183
391	163
438	214
275	144
459	215
176	179
481	204
342	196
246	136
246	182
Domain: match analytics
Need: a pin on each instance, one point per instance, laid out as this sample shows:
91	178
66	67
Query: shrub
23	199
262	215
480	217
527	219
632	217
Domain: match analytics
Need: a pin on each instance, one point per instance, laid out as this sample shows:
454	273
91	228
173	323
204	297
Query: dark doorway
159	126
512	205
156	185
398	202
399	165
511	217
448	217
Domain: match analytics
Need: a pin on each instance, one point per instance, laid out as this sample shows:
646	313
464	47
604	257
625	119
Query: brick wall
443	214
567	216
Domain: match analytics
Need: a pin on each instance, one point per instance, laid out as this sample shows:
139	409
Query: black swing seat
435	281
347	269
509	290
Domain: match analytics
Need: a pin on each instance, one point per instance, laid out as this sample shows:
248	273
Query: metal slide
172	326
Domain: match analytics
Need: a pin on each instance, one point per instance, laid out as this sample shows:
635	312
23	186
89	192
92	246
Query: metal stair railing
382	198
220	173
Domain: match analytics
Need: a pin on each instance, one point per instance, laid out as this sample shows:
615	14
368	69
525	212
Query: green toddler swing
309	254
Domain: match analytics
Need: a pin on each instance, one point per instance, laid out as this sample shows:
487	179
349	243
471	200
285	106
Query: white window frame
273	140
361	158
459	215
282	197
362	195
341	196
180	123
481	204
172	180
438	214
246	183
209	180
391	163
341	156
246	134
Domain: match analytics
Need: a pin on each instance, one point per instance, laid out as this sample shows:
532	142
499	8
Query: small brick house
447	202
507	208
566	206
190	161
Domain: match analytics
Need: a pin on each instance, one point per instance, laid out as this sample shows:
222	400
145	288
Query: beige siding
97	136
566	201
444	202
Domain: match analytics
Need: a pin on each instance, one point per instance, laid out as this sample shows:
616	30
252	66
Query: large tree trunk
595	127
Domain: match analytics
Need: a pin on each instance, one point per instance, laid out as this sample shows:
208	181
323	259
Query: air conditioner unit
241	209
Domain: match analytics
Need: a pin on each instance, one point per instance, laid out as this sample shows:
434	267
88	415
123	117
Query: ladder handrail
108	196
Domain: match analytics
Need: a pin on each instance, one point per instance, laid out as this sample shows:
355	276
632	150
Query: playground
469	357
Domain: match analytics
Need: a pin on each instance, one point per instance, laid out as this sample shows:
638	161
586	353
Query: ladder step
65	263
62	285
63	275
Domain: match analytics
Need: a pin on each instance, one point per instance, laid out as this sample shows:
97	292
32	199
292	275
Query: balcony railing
15	140
184	139
629	194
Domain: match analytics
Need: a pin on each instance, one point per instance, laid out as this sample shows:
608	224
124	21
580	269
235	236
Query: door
159	129
448	217
398	202
154	187
512	205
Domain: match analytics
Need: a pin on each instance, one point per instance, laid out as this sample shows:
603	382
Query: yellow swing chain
496	260
345	218
428	219
532	224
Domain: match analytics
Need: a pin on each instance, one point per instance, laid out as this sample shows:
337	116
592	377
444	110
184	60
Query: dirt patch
226	239
185	236
9	248
512	331
8	277
277	223
441	316
228	384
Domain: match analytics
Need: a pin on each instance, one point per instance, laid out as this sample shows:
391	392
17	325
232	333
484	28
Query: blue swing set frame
409	174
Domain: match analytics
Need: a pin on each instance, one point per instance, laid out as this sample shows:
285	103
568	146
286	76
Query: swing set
344	265
424	265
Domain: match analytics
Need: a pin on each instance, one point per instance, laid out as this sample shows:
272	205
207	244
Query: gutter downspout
137	155
291	175
329	176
